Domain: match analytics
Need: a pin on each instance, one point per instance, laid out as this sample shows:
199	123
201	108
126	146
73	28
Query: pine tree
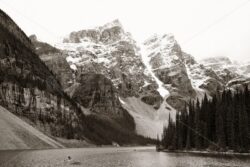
223	120
197	126
220	127
243	126
247	104
189	128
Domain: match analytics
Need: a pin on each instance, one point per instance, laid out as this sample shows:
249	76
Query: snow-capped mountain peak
153	80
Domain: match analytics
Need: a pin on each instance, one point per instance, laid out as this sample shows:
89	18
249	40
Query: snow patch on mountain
196	75
145	58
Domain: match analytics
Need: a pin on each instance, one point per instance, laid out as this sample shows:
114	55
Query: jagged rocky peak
107	33
163	50
167	62
110	51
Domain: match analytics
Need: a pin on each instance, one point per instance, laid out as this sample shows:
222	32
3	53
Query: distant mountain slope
17	134
233	73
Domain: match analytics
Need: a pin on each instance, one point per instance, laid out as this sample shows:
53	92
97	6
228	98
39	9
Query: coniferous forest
221	123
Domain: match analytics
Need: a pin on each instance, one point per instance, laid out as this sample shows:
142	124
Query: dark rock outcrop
97	93
29	89
55	59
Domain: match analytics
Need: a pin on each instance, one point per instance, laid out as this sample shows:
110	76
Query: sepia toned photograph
125	83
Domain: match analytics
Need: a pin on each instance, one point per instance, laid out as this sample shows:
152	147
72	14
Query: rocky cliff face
55	60
46	110
97	93
111	51
167	62
87	86
29	89
203	79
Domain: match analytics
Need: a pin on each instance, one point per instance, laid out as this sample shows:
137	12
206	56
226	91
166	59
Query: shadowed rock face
97	93
29	89
58	65
151	96
55	59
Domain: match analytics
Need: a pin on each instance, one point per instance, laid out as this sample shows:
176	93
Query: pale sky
203	28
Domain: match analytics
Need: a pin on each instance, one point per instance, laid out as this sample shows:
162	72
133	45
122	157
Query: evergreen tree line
221	123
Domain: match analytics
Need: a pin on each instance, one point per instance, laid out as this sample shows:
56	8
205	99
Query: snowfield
149	122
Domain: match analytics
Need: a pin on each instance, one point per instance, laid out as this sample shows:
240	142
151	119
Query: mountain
151	81
110	51
138	86
34	77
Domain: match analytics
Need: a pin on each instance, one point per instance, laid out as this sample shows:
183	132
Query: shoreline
87	147
210	153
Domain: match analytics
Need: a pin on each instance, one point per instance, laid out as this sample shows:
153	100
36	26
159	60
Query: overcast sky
204	28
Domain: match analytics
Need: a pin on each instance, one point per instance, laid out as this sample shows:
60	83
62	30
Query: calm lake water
115	157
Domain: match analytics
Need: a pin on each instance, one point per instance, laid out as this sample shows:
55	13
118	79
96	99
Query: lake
115	157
